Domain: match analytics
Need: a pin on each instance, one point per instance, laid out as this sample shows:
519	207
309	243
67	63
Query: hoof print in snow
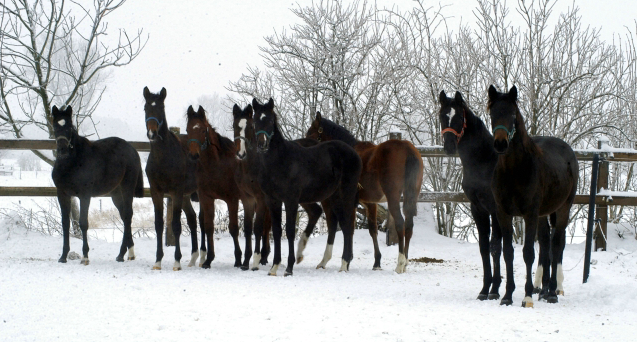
74	256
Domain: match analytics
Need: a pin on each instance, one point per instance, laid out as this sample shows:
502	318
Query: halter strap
509	134
248	144
205	142
453	131
68	141
320	131
159	123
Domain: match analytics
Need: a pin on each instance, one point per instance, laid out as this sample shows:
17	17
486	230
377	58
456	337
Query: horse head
316	130
243	130
264	123
453	120
505	117
155	114
197	129
65	133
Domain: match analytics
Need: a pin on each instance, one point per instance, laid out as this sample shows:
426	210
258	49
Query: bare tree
49	55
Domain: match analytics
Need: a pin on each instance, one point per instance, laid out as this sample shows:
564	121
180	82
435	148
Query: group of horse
504	175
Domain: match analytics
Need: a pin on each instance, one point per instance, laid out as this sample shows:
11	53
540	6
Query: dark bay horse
290	173
532	178
88	169
466	133
390	169
216	166
247	178
170	171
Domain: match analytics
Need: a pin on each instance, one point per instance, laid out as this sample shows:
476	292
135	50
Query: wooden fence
601	201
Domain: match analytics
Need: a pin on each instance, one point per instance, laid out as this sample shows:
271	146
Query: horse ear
318	116
442	98
55	111
249	110
493	93
255	104
270	105
513	94
236	111
68	111
191	111
146	93
162	93
459	97
201	111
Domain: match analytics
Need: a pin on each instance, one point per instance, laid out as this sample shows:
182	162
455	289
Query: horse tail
139	187
412	189
194	197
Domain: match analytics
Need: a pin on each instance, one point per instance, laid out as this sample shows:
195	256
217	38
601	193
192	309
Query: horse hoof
536	290
176	268
482	296
551	299
377	268
156	268
560	292
119	259
255	268
63	261
204	266
245	268
84	262
299	259
494	296
287	273
320	267
506	302
527	304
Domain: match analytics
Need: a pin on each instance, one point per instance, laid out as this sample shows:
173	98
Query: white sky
198	47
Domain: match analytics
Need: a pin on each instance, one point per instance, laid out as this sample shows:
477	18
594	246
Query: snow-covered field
42	300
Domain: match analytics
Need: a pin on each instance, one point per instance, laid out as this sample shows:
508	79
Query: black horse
87	169
293	174
464	132
532	178
247	177
170	171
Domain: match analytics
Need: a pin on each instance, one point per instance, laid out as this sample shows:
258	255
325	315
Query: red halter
453	131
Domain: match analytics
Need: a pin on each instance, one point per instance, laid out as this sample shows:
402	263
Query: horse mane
225	145
338	132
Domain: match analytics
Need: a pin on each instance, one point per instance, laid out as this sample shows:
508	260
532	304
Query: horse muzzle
450	145
500	145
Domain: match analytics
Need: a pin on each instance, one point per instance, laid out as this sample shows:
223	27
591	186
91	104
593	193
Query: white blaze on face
61	122
152	104
262	117
196	126
242	134
451	114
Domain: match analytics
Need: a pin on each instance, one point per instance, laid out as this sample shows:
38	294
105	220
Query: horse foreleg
259	223
84	205
507	240
208	209
177	200
481	219
495	247
191	219
275	215
233	213
202	252
65	210
158	204
248	219
291	208
542	273
528	252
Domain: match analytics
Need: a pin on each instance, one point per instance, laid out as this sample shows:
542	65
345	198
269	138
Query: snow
611	193
107	301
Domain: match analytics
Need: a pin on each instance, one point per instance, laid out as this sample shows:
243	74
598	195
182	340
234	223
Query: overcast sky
198	47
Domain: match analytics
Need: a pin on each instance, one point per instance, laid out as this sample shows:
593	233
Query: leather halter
205	144
68	141
159	123
453	131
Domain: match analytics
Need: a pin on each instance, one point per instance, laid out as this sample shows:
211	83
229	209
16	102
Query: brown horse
533	177
170	171
390	169
216	168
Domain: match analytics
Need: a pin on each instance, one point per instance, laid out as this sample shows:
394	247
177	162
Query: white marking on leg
273	270
527	302
61	122
193	259
402	263
203	255
326	256
157	266
343	266
560	280
538	277
84	261
256	258
177	266
301	248
131	253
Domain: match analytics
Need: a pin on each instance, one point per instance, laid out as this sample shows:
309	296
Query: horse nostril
500	145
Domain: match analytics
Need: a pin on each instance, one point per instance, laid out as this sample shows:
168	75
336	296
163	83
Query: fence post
591	221
170	237
391	237
602	209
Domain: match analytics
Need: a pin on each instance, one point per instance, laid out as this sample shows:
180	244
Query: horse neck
476	145
521	148
166	145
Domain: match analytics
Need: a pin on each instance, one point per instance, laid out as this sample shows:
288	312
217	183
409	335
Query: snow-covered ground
42	300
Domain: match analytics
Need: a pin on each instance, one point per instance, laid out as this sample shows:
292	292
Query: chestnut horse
170	171
532	178
390	169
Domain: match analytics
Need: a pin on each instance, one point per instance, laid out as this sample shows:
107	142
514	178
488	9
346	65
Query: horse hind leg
84	205
124	206
248	221
394	209
332	225
558	243
540	284
372	227
314	212
191	219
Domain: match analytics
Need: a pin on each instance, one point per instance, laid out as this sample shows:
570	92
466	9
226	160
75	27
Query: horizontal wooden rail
426	197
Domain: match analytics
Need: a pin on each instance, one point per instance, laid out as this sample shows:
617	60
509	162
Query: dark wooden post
602	209
170	237
391	237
